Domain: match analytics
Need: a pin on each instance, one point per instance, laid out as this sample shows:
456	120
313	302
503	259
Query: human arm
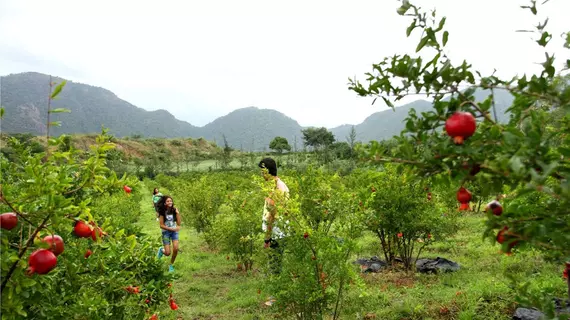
178	220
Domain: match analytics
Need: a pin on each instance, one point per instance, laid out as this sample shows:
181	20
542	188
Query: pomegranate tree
522	149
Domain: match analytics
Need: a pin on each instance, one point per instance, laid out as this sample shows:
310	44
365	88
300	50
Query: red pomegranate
96	234
82	229
463	195
495	207
56	244
41	261
8	220
464	206
127	189
87	253
501	237
460	126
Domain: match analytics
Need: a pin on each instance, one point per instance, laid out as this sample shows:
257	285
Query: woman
156	195
170	221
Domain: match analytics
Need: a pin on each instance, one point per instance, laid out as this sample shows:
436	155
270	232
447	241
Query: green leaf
58	89
55	124
2	110
445	38
120	233
544	39
441	24
422	43
59	110
404	8
388	102
410	28
516	164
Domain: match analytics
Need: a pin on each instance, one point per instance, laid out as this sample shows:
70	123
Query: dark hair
155	191
270	165
161	205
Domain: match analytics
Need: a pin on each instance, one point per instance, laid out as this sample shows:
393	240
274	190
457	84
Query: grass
210	287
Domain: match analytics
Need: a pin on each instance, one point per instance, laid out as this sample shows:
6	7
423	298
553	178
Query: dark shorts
169	235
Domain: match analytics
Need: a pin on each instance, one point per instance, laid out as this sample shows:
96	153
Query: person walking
156	195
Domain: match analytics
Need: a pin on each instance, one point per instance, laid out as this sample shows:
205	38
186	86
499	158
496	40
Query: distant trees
279	144
318	138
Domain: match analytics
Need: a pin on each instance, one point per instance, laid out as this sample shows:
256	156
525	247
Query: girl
170	221
156	195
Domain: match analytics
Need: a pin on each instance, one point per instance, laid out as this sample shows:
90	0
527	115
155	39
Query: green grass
210	287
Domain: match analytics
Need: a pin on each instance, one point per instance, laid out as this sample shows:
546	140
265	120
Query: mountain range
25	95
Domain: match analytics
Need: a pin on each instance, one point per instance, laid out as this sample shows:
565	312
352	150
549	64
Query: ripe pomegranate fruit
41	261
56	244
96	234
501	237
306	235
154	317
464	206
82	229
132	289
127	189
495	207
463	195
460	126
8	220
87	253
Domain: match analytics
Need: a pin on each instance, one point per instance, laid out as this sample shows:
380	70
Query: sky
203	59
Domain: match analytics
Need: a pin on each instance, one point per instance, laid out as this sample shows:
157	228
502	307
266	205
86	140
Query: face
155	190
168	202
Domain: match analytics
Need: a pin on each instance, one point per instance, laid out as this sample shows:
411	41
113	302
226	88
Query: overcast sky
202	59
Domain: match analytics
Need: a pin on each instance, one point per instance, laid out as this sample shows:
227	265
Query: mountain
24	97
252	127
388	123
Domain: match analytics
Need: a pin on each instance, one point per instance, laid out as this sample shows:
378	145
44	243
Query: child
170	221
156	195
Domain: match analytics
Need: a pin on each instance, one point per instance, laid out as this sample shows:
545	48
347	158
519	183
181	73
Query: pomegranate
460	126
464	206
41	261
495	207
154	317
8	220
87	253
463	195
173	305
82	229
132	289
306	235
56	244
501	236
96	234
127	189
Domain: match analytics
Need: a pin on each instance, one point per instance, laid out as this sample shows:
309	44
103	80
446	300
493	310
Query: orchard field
485	202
